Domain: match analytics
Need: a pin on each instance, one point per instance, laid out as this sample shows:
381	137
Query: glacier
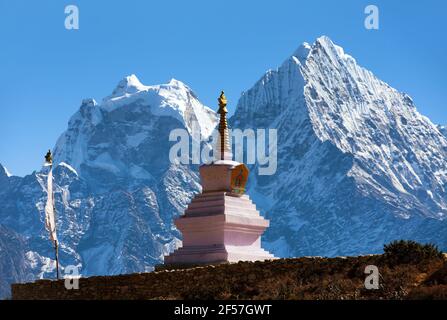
358	166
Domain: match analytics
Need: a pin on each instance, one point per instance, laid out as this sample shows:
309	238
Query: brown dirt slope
297	278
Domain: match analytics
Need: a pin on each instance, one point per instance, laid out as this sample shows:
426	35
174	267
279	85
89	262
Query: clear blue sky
211	45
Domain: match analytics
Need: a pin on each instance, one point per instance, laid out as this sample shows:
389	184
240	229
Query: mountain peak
177	83
302	52
128	85
180	88
322	43
324	40
149	107
89	102
4	171
4	176
325	43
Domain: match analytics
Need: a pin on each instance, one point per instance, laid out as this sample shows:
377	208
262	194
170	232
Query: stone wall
300	278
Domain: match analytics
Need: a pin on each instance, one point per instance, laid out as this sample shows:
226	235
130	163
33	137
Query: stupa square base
217	227
216	254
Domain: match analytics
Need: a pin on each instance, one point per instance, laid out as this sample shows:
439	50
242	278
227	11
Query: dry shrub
410	252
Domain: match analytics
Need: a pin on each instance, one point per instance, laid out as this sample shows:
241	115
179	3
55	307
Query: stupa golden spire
224	140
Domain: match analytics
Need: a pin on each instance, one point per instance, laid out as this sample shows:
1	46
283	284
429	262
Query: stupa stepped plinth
221	224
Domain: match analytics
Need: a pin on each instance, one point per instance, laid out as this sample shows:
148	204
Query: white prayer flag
50	221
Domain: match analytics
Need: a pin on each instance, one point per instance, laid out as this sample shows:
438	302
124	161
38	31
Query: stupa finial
224	141
222	103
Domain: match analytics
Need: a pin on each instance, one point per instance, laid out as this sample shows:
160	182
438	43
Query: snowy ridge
4	171
8	174
130	97
174	99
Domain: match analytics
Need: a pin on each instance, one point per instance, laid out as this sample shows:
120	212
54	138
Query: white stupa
221	224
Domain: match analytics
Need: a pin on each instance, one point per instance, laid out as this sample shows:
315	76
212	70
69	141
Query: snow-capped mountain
358	165
116	190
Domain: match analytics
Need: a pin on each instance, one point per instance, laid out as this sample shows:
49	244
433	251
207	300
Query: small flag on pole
50	221
50	215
